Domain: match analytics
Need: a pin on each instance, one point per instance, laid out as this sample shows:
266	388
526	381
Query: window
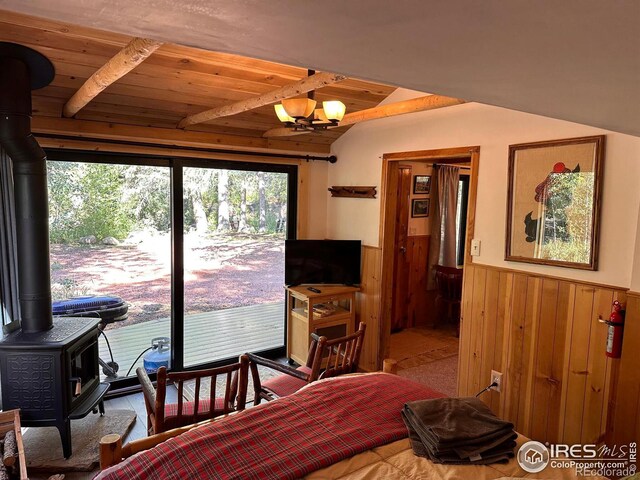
194	248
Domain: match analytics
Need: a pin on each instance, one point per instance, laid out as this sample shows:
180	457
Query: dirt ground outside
221	271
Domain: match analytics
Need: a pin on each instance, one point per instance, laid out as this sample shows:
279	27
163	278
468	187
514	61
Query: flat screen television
322	262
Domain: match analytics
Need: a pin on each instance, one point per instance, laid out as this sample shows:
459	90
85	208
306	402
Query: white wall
360	153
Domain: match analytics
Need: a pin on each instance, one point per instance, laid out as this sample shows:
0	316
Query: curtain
9	306
444	203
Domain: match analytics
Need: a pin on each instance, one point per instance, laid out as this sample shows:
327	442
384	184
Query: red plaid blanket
288	438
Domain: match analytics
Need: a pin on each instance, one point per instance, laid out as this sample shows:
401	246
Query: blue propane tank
158	356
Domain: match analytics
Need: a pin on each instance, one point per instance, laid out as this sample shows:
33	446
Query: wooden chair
449	291
338	356
162	417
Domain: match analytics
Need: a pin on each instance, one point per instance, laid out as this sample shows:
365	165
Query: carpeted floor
439	375
43	448
428	356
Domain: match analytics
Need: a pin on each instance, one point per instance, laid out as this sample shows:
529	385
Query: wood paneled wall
368	306
543	334
625	426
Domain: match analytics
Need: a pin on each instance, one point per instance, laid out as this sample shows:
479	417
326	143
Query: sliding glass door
193	250
235	225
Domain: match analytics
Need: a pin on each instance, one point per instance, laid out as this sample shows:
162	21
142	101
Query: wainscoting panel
625	426
543	334
368	306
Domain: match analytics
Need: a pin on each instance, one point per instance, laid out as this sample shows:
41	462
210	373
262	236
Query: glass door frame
176	167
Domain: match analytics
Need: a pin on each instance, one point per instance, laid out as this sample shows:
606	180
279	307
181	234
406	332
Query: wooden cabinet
330	313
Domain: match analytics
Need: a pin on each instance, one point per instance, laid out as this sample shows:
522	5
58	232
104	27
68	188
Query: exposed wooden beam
305	85
168	136
134	53
420	104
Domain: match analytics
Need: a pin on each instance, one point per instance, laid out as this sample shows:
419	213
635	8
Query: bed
340	428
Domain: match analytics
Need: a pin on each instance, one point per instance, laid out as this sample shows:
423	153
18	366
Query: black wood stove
48	369
53	376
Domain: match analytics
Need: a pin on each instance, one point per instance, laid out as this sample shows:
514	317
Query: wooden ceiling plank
300	87
46	39
64	29
151	114
166	136
220	58
80	60
142	91
47	106
253	67
134	53
183	56
348	87
170	93
420	104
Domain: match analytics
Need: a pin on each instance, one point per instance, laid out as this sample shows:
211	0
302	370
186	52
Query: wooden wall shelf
353	192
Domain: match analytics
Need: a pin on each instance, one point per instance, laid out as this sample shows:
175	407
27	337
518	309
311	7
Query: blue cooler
109	308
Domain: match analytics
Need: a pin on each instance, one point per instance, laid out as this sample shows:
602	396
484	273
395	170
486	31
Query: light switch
475	248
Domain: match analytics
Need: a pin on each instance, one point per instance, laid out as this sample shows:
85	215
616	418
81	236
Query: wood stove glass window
82	362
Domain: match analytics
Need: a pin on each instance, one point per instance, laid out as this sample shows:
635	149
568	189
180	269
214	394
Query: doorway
421	314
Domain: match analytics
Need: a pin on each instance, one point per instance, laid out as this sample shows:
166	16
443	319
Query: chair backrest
235	393
449	283
337	356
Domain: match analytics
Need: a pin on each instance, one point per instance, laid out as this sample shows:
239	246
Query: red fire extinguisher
615	326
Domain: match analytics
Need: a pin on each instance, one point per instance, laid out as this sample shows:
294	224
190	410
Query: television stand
330	313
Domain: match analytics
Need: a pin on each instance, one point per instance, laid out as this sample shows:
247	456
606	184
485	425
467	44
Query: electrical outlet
496	377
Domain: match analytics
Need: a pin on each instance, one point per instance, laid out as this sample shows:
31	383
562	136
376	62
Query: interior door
401	263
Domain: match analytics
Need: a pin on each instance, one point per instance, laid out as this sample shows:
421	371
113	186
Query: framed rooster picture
554	202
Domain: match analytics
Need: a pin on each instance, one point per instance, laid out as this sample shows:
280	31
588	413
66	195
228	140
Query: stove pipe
21	70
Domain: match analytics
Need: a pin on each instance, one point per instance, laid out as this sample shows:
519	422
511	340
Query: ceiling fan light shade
282	114
299	107
319	116
334	109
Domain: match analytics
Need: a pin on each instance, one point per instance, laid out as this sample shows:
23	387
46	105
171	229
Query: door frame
388	209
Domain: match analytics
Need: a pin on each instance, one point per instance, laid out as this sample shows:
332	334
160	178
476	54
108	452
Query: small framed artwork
421	184
420	207
553	209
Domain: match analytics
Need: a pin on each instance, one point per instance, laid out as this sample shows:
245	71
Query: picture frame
421	184
553	202
420	207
